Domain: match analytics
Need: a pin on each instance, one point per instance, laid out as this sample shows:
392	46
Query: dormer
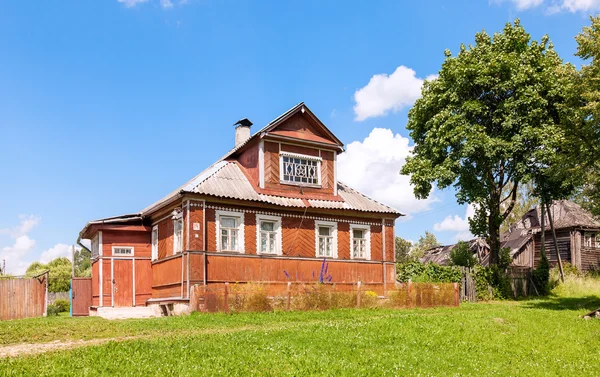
294	154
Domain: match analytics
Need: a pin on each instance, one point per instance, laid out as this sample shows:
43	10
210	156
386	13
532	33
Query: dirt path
26	349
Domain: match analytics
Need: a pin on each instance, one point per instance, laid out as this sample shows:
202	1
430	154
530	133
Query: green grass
535	337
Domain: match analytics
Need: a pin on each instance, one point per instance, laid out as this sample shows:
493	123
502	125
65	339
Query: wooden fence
23	297
299	296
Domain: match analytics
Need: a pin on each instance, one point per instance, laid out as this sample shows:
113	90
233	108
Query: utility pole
72	261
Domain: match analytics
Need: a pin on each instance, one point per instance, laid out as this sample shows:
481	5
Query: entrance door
123	282
81	296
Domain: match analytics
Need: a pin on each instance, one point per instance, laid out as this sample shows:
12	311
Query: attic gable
302	124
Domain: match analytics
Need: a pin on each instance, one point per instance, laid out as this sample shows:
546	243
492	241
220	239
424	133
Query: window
360	247
96	245
268	234
597	244
587	239
230	231
326	239
300	169
123	250
177	235
155	242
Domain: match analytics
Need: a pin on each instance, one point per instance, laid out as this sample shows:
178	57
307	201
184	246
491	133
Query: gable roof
565	214
226	180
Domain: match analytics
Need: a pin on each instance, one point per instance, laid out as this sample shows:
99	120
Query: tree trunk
494	231
543	235
560	267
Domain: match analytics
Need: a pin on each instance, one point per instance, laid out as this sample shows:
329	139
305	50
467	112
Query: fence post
358	295
289	295
456	297
226	297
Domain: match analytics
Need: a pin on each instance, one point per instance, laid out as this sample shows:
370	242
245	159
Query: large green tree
60	273
426	242
403	250
485	121
82	261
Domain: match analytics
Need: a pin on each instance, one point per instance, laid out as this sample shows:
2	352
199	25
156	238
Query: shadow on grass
587	303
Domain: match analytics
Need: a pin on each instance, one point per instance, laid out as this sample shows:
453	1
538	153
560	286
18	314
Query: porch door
123	282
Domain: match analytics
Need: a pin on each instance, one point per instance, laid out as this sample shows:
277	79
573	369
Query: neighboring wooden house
577	233
441	255
271	210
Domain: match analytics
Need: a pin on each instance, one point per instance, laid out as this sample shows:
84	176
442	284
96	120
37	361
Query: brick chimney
242	131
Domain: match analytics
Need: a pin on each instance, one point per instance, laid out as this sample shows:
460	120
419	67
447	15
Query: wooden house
577	233
441	254
270	210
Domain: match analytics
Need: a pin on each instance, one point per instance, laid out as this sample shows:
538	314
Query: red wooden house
271	210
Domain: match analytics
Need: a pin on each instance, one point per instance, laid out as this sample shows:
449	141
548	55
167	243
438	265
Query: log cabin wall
563	238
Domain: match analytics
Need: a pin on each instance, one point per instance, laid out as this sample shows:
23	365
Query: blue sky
108	105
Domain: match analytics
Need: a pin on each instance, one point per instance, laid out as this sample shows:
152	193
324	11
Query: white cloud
166	4
557	6
457	224
131	3
373	168
386	93
15	255
57	251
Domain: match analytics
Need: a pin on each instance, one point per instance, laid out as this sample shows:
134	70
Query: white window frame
331	224
319	160
177	238
367	229
95	241
152	242
114	253
278	237
588	236
240	216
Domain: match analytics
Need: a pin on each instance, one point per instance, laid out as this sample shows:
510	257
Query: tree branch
513	200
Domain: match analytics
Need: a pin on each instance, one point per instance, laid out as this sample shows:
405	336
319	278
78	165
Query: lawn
535	337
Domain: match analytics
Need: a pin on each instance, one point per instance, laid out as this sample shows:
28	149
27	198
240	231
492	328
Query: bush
462	255
53	310
63	305
249	298
428	273
369	299
541	276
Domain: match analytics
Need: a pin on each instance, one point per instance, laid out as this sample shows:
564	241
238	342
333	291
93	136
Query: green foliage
427	273
541	276
403	250
53	310
524	202
505	258
425	242
83	264
60	273
63	305
485	122
462	255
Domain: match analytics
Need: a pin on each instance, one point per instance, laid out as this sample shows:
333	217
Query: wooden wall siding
166	291
328	171
139	240
196	236
22	298
299	127
524	257
167	272
590	258
343	241
563	237
376	243
390	274
106	283
300	150
271	158
196	268
95	283
165	238
143	281
211	230
249	160
250	233
228	268
298	237
390	243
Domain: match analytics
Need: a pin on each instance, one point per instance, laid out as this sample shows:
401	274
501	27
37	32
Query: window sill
298	184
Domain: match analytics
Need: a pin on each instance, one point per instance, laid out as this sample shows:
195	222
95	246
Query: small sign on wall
196	226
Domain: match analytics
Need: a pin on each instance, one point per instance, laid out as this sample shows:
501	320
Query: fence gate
23	297
467	285
81	296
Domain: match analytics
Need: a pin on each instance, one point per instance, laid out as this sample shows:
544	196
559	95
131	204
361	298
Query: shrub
541	276
462	255
249	298
63	305
369	299
492	283
53	310
428	273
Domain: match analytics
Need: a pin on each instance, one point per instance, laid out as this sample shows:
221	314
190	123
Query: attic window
300	169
